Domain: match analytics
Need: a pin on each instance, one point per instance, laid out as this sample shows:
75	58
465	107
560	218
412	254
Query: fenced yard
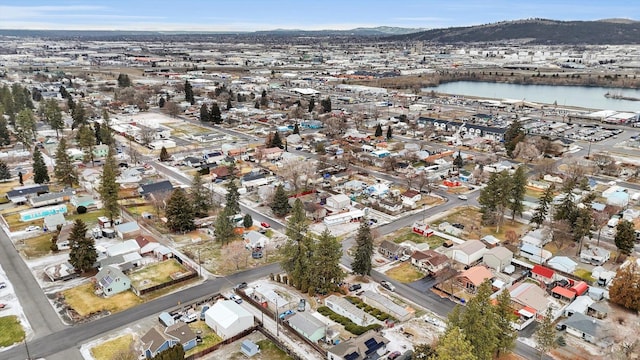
83	300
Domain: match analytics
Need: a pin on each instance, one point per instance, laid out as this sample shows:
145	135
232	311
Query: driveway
423	285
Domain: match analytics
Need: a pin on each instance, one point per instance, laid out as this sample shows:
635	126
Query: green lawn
89	218
11	331
108	350
584	275
156	274
209	338
405	273
269	350
434	241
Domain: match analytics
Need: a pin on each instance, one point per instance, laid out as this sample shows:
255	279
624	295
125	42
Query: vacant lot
156	274
471	218
407	234
405	273
84	301
109	350
38	246
11	331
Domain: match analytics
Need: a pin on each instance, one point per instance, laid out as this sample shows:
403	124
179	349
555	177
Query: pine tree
298	248
517	191
326	104
540	215
164	154
64	171
276	141
494	198
378	132
625	287
325	269
545	335
53	115
296	129
224	227
188	92
86	140
480	324
216	115
161	102
507	335
455	346
25	127
109	187
247	221
40	171
124	81
79	116
5	137
280	204
312	104
5	174
179	212
625	237
105	129
458	162
83	253
232	199
389	132
229	105
205	116
512	136
20	180
199	196
364	250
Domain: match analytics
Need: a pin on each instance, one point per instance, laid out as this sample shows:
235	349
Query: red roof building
563	292
543	274
580	288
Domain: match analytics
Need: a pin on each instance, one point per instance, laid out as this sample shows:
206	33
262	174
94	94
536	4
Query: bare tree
561	232
333	126
602	161
423	182
526	151
171	108
147	135
236	254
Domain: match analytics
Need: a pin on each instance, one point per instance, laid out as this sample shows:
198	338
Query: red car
394	355
265	224
2	306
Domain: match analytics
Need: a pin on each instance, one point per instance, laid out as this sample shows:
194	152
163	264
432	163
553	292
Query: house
531	296
181	333
537	238
128	230
50	198
154	342
220	172
579	305
385	304
193	161
473	277
20	194
338	202
100	151
563	264
163	186
390	206
249	348
273	153
157	340
490	241
125	247
308	326
497	258
391	250
110	281
370	345
411	196
63	271
228	319
254	239
535	253
51	222
429	261
594	255
343	307
467	253
268	298
585	327
543	274
422	229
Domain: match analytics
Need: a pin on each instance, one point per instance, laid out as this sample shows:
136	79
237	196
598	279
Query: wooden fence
215	347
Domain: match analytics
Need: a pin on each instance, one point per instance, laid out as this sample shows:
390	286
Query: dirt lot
471	218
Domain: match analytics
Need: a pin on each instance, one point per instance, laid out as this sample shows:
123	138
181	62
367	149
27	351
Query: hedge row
377	313
349	325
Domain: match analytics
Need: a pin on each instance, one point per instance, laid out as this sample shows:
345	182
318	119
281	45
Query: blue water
580	96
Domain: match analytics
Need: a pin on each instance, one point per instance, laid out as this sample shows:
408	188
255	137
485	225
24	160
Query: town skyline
252	15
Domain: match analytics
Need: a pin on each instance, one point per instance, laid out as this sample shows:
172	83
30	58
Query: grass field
15	224
89	218
405	273
156	274
403	235
109	349
471	218
38	246
584	275
269	350
83	300
209	338
11	331
138	210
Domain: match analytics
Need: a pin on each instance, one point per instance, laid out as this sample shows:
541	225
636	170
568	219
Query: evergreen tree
164	154
312	104
64	171
247	221
364	250
199	196
96	133
545	335
5	137
232	199
83	253
109	187
625	287
40	171
540	215
389	132
276	140
378	132
161	102
298	248
20	180
423	351
86	140
458	162
454	346
179	212
224	227
326	105
188	92
280	203
264	101
124	81
25	126
480	323
79	116
205	116
216	115
567	209
106	137
5	174
229	105
173	353
517	191
325	269
494	198
507	335
512	136
296	129
625	237
53	115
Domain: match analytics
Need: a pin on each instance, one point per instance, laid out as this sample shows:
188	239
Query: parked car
286	314
236	298
355	287
189	318
387	285
3	285
256	254
242	285
265	224
32	228
302	304
560	326
204	310
458	226
394	355
462	197
405	257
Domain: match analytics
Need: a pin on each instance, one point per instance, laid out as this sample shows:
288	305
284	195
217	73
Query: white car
32	228
463	197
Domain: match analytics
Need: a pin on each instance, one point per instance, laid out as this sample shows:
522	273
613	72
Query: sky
252	15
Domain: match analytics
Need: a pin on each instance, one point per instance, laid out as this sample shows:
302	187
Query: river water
580	96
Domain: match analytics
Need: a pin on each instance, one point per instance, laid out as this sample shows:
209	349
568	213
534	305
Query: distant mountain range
536	31
530	31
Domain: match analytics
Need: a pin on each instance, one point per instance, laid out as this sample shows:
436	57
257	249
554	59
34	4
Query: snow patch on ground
12	304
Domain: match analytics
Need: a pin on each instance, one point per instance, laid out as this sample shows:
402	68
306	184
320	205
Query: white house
343	307
227	319
338	202
467	253
498	258
254	239
125	247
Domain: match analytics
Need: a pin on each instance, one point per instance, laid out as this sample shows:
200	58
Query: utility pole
27	347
